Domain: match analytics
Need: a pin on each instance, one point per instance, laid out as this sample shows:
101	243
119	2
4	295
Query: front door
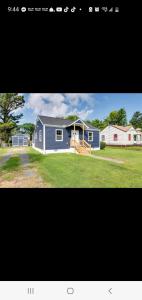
75	135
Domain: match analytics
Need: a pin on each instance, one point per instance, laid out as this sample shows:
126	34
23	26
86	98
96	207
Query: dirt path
5	157
26	176
117	161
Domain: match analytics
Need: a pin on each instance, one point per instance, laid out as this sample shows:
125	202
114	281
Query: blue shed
20	140
54	135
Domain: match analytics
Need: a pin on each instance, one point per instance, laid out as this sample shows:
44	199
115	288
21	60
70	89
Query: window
35	135
135	138
103	137
129	137
40	135
115	137
59	135
90	136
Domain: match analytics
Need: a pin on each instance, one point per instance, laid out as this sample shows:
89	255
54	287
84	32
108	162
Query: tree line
116	117
9	119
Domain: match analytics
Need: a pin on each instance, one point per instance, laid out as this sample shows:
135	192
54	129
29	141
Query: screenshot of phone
70	144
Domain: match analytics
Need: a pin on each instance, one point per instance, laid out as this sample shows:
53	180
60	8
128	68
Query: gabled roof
54	121
61	122
123	128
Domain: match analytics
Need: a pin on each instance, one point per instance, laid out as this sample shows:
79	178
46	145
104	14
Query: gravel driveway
27	176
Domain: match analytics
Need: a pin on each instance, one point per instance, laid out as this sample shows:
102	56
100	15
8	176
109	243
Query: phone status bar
64	9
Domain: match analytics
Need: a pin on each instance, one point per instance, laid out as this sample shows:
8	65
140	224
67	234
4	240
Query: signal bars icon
30	291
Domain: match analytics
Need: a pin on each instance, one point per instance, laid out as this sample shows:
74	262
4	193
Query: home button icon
70	291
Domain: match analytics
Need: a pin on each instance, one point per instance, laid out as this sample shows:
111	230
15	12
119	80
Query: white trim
78	123
49	125
70	150
35	135
38	149
92	136
38	119
92	129
44	137
56	135
97	148
40	137
64	126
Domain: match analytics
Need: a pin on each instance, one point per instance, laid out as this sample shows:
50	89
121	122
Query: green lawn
10	168
71	170
2	151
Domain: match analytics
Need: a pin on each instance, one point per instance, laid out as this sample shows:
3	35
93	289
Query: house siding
96	138
51	143
39	127
123	137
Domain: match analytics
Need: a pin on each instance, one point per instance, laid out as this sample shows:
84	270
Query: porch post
83	133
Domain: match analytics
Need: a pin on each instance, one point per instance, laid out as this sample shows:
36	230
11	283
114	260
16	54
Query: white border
40	137
69	150
75	122
97	148
56	135
92	136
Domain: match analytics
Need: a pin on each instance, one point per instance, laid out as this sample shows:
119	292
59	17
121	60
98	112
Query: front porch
77	140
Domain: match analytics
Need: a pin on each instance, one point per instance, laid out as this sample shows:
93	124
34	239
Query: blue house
54	135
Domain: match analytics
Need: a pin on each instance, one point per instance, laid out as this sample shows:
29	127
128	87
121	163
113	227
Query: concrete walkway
117	161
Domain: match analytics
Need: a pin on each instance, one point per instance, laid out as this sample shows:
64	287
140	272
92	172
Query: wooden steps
82	147
82	150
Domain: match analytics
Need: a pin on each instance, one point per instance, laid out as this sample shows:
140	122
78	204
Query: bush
102	145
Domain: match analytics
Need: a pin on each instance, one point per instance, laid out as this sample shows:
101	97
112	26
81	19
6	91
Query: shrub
102	145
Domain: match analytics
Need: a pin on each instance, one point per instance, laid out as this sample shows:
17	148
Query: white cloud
55	104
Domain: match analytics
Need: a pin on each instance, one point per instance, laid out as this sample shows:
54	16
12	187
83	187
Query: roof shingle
123	128
60	121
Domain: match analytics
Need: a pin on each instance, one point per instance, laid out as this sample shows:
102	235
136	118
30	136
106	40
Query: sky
85	105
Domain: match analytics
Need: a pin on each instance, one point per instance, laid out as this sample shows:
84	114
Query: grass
2	152
71	170
9	169
12	164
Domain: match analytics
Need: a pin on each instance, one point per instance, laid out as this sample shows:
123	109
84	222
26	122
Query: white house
121	135
139	135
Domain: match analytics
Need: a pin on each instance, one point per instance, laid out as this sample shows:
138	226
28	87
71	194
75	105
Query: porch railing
86	145
78	144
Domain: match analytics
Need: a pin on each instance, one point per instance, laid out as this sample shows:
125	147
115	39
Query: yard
78	171
71	170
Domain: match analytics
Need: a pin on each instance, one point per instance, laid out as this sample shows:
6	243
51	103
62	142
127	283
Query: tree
5	130
9	103
116	117
27	128
136	120
97	123
72	117
112	118
122	117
